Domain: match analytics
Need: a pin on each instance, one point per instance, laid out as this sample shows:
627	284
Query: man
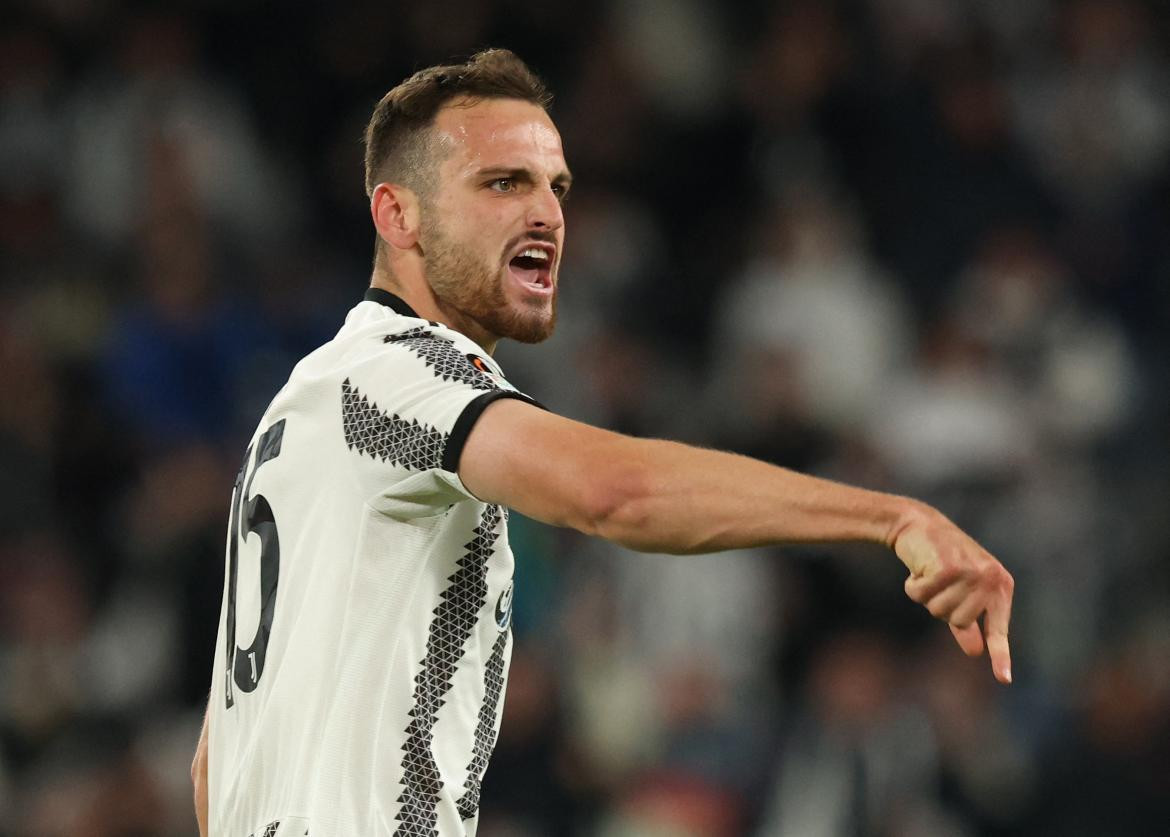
358	683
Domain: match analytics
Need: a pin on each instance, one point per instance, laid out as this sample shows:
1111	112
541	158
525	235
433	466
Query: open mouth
532	268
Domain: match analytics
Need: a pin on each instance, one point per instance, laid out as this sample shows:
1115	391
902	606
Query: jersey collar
390	301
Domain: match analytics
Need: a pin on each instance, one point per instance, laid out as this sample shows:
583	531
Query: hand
958	581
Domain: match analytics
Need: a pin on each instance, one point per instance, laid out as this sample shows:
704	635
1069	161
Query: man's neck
419	295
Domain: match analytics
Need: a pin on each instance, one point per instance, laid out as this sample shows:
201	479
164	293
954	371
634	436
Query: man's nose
544	211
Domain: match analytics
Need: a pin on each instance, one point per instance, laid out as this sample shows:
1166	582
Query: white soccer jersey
364	637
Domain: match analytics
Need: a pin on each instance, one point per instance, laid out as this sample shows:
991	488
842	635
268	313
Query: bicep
545	466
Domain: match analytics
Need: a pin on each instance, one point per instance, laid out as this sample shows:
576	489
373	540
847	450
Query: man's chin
528	323
532	330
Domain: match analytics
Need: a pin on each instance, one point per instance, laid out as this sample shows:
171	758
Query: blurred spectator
540	781
953	419
856	759
1092	114
813	310
182	358
987	764
153	117
1074	364
655	32
1110	775
47	613
31	91
29	412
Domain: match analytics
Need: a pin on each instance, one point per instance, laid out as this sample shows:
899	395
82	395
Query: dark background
918	245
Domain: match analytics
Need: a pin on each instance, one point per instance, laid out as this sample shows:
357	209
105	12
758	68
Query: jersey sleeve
407	413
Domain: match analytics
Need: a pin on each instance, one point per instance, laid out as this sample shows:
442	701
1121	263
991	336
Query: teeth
536	253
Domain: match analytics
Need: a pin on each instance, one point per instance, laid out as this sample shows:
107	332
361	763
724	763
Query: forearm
659	496
199	777
671	497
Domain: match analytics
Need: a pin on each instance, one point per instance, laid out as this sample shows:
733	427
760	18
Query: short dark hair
397	136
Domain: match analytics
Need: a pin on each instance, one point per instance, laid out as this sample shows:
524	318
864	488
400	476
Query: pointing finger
995	624
1001	657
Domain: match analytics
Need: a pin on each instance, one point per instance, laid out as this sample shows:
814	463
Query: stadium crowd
918	245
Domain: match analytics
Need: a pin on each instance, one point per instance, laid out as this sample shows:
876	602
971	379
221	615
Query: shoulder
446	354
374	334
403	363
441	352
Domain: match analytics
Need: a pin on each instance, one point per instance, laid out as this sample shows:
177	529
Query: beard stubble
471	287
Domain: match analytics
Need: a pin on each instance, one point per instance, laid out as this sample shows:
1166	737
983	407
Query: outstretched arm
199	778
660	496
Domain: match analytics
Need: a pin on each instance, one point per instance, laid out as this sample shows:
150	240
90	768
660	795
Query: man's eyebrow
562	178
516	173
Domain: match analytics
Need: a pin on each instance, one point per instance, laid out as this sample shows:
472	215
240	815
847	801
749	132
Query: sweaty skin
502	178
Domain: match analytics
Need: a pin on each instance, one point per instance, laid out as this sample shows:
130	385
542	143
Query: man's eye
503	184
561	192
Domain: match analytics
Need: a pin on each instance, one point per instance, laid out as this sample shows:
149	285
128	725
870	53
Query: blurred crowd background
918	245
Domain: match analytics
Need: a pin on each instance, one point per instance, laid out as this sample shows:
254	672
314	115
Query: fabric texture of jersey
364	636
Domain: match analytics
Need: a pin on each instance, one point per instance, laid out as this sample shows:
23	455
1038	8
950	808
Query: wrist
905	513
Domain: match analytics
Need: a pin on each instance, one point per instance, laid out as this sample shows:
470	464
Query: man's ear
396	213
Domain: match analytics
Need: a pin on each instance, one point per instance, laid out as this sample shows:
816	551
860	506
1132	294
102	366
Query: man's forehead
481	131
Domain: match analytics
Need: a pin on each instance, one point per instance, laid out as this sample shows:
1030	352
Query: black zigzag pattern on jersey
455	617
485	730
442	356
388	437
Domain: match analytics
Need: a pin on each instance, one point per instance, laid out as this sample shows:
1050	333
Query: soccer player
364	639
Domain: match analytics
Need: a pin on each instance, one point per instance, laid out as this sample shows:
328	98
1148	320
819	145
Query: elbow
633	505
198	769
199	763
614	504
